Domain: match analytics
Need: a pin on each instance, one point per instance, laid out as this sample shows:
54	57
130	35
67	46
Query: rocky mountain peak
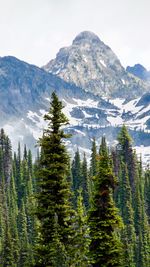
86	37
92	65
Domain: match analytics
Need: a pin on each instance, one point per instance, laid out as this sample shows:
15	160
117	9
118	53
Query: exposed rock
93	66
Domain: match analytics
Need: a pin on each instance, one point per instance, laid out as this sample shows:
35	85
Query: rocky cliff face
93	66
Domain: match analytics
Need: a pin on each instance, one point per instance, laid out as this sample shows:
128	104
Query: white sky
34	30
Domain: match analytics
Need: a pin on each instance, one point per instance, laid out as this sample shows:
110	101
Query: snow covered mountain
93	110
93	66
25	90
95	116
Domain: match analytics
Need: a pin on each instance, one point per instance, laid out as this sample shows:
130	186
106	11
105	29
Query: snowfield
86	117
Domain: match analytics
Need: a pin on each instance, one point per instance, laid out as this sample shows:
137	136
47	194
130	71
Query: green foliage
104	221
15	244
147	193
130	198
85	182
93	234
81	238
76	175
54	190
94	163
8	259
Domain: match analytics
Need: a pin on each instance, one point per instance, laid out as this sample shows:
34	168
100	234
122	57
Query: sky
34	30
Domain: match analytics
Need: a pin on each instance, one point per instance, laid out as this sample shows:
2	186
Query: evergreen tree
57	250
24	260
54	194
147	193
13	215
93	165
130	200
105	247
127	155
85	182
18	177
8	259
93	170
127	213
82	239
76	175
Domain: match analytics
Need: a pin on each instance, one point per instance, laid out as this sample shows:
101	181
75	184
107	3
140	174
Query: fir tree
93	165
127	155
24	260
127	213
85	182
8	259
93	170
13	215
54	195
81	238
76	175
105	247
130	200
147	193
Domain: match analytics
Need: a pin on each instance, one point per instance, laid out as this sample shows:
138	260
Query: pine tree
54	194
130	200
85	182
105	247
18	177
127	213
93	167
13	215
93	170
76	175
8	259
24	260
127	155
57	250
81	238
147	193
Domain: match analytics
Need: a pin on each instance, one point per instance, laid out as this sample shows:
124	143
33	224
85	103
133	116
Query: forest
62	212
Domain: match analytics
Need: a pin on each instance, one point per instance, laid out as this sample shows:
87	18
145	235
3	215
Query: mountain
25	95
93	66
139	71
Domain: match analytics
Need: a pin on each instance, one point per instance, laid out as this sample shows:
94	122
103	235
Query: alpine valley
98	93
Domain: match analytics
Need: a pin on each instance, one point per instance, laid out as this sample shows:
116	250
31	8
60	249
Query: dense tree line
17	222
61	213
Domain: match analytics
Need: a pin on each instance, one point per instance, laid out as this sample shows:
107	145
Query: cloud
34	30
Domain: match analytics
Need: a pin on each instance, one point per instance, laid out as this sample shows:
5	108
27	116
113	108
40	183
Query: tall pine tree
105	247
53	210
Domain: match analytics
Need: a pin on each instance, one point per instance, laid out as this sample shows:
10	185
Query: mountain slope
23	86
92	65
24	97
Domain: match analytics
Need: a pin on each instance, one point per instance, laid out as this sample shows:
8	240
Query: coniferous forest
58	212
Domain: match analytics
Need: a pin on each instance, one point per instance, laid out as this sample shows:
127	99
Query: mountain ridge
139	71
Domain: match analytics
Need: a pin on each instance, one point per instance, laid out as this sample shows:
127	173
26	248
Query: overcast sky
34	30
